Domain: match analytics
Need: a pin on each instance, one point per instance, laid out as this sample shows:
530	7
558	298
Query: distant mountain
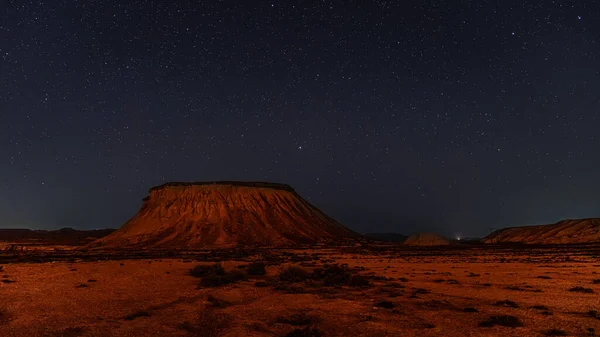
426	239
566	231
63	236
389	237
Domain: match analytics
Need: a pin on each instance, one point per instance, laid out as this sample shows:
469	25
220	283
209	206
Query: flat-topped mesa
224	214
574	231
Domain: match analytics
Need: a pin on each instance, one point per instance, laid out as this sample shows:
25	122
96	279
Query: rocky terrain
563	232
224	214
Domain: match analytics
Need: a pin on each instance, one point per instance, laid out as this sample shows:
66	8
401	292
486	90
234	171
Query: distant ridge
389	237
63	236
426	239
562	232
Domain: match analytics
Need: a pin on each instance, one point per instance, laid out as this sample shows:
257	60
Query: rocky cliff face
567	231
224	214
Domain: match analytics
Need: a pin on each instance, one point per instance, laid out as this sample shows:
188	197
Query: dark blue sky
393	116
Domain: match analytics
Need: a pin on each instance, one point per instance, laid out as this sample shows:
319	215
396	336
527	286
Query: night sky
402	116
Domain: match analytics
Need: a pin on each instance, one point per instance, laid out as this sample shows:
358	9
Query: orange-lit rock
566	231
224	214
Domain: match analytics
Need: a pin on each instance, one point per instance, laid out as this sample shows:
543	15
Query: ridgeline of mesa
224	214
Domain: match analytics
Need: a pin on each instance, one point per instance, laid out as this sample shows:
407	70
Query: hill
426	239
63	236
389	237
224	214
566	231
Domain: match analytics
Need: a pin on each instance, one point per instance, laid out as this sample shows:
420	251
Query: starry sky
395	116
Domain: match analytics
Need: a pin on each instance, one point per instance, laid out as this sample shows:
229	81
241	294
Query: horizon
389	117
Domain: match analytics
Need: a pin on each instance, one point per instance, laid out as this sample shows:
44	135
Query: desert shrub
216	280
72	332
4	316
503	320
294	274
540	307
137	314
555	332
82	285
208	324
207	270
306	332
8	281
297	319
402	279
470	310
261	284
507	303
593	314
579	289
596	281
235	276
217	302
256	268
545	277
358	281
384	304
91	281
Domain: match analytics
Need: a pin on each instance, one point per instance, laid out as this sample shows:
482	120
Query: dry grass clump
256	269
207	270
580	289
209	323
141	313
502	320
507	303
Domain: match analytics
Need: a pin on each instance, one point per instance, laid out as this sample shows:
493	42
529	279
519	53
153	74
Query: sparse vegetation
555	332
208	324
384	304
81	285
136	314
306	332
544	277
540	307
256	268
297	319
294	274
207	270
596	281
217	302
580	289
507	303
502	320
470	310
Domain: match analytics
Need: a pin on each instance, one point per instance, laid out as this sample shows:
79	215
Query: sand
48	299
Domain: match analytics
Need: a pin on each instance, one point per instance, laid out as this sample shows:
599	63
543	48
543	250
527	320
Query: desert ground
378	290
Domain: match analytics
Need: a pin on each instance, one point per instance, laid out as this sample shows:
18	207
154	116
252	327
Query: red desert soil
224	214
566	231
426	239
411	292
